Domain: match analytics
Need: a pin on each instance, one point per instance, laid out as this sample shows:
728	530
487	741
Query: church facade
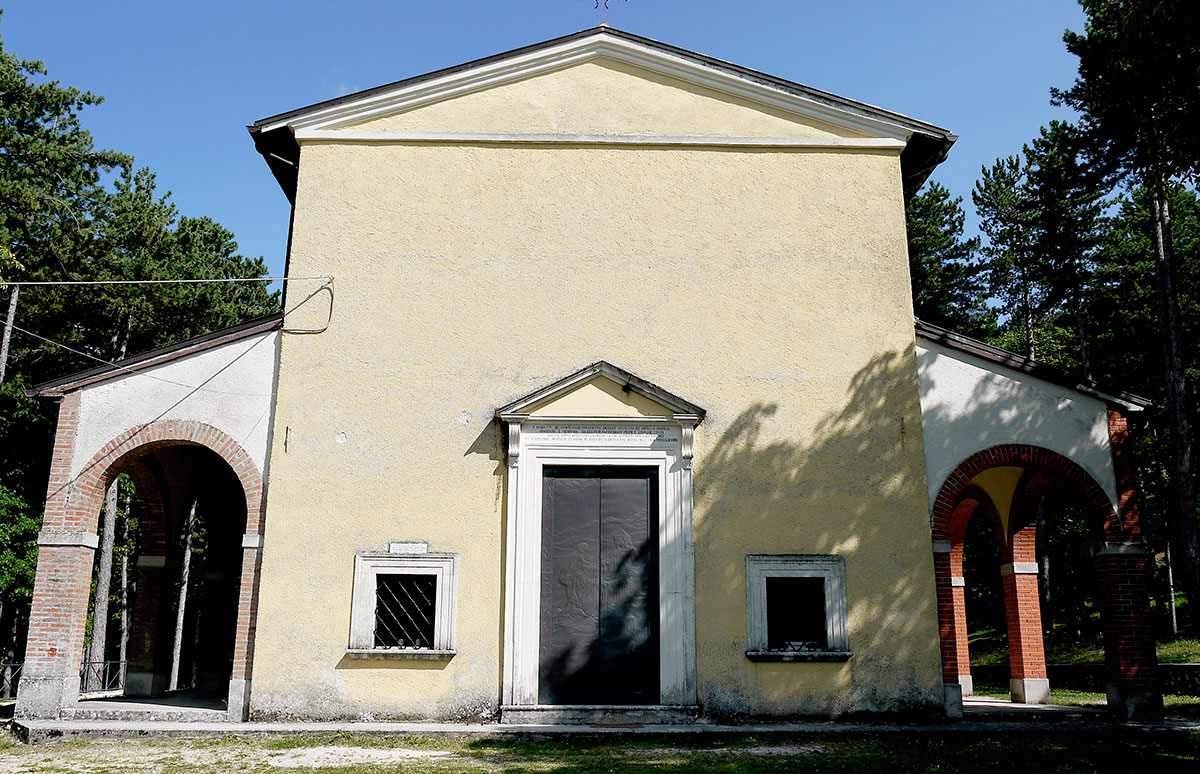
596	395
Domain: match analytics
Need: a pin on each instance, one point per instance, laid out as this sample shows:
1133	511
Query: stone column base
45	697
954	704
1133	702
238	702
968	685
1029	690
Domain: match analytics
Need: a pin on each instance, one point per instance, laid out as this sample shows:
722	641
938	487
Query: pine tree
946	286
1014	273
1067	205
1138	93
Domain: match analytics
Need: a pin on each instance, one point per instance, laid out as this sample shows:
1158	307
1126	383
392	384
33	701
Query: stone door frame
661	442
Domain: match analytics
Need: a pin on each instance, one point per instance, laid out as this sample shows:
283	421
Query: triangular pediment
605	96
600	391
601	87
647	87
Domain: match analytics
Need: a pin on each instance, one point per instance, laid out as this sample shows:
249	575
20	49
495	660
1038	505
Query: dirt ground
1101	749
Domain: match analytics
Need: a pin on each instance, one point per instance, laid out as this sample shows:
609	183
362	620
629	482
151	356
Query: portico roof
1002	357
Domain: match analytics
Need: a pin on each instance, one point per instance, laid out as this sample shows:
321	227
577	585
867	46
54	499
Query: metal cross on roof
602	12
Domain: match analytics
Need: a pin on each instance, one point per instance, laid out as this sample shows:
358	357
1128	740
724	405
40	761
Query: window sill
796	655
410	654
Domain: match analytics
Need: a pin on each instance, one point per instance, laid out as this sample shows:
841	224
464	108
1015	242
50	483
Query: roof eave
920	157
280	150
927	145
56	388
992	354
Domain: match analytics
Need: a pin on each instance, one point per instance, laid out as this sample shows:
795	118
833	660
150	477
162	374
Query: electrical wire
120	367
142	370
51	283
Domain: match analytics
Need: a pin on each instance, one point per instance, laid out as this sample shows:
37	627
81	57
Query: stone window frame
368	566
830	567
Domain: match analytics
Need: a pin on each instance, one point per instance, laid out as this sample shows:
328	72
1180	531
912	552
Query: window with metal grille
404	603
405	607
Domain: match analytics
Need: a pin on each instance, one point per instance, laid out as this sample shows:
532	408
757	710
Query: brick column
949	530
1130	660
1027	680
1129	528
247	615
1122	578
958	590
952	614
951	628
238	702
62	583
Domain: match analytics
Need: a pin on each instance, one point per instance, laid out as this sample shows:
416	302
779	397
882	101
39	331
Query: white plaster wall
228	387
968	405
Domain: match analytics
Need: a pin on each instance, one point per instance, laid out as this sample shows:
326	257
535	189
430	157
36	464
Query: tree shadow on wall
852	482
998	409
620	665
778	480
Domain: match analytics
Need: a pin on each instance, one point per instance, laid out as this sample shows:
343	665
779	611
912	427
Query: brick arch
971	500
951	591
1062	469
58	614
1131	664
89	486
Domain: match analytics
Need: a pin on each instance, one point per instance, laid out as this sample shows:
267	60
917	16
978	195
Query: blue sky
181	80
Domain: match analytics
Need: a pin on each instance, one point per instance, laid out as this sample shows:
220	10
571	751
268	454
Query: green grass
1183	707
990	647
340	738
1102	750
1181	651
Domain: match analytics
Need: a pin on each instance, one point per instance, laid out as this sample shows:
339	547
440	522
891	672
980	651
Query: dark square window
796	614
404	610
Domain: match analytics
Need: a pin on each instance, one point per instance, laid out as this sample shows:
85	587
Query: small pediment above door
600	391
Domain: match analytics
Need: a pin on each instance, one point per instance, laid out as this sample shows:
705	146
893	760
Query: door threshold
600	715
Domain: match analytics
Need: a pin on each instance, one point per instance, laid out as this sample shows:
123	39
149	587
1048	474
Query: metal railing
102	676
10	677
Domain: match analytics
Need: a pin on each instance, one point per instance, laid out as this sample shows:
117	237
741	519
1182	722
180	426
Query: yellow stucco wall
603	97
769	287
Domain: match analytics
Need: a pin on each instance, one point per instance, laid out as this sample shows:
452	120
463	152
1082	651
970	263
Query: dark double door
599	619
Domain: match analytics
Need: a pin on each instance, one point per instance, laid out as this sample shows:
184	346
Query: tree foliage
1138	92
1012	268
946	286
70	211
1137	88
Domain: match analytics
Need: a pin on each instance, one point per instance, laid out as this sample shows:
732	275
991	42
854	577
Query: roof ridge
927	143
